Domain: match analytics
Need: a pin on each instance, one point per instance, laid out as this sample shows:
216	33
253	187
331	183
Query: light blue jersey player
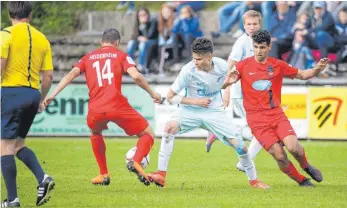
242	49
202	80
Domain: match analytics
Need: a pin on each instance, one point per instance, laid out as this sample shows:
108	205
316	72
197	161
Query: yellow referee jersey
27	51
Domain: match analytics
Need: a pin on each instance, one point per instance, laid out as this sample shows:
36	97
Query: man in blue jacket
280	27
322	32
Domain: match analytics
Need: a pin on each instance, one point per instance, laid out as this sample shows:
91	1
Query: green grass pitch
195	178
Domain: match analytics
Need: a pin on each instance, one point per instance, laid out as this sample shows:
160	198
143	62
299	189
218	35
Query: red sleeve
81	64
240	66
127	63
288	70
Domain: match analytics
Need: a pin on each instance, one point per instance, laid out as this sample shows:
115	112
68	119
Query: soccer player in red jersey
261	79
103	69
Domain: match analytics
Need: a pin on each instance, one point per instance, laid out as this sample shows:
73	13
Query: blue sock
9	172
28	157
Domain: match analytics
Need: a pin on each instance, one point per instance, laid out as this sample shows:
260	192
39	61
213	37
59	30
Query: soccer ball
130	154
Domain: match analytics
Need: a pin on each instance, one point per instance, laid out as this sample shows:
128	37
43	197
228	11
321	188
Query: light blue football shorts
213	120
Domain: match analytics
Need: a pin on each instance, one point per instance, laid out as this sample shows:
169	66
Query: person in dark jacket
341	27
280	27
322	32
144	38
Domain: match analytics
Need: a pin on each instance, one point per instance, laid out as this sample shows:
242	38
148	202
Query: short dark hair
262	36
344	9
202	45
19	9
110	35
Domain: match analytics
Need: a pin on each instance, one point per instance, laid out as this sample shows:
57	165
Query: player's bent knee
280	157
19	144
172	127
148	130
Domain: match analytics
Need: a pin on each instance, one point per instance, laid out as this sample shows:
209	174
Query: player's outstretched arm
232	77
140	80
67	79
309	73
175	99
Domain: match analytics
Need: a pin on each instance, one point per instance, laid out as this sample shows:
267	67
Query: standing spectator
145	38
187	29
341	27
166	40
322	31
280	27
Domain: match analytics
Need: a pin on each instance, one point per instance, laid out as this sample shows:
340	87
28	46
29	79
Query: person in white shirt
242	49
202	107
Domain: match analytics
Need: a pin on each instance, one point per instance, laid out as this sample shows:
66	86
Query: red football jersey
262	83
104	69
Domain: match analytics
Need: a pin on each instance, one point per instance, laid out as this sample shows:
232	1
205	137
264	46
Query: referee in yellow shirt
25	52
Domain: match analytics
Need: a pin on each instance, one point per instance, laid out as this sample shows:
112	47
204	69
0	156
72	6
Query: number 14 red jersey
104	69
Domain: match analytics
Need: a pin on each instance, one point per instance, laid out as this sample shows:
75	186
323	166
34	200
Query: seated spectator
186	29
144	38
322	32
341	27
195	5
230	14
166	40
280	27
301	56
129	4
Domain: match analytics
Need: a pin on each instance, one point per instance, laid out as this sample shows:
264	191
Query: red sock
303	161
99	149
144	145
293	173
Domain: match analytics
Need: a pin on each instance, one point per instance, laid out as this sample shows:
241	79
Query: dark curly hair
202	45
262	36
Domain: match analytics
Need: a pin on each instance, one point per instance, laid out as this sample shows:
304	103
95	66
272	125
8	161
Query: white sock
249	167
254	148
246	133
166	148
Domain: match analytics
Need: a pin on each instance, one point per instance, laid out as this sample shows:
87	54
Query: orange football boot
103	180
157	177
258	184
139	171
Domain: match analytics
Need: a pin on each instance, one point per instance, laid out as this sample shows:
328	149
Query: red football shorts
126	118
270	126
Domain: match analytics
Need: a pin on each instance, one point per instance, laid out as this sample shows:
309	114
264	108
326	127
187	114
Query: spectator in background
231	13
341	27
186	28
145	38
166	40
280	27
322	32
195	5
301	56
130	4
228	15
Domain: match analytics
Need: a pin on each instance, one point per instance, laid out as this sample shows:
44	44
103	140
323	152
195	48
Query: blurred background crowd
302	32
159	34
